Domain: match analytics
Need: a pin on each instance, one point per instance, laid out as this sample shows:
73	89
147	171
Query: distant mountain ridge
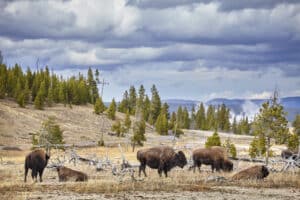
247	107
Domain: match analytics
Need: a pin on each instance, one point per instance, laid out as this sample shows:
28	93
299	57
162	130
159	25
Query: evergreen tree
213	140
147	104
179	117
172	121
271	123
3	80
21	99
210	118
50	97
124	105
293	142
111	111
139	130
200	118
230	148
118	129
234	125
186	119
127	122
155	106
257	147
132	100
193	118
296	124
99	106
39	101
53	134
161	124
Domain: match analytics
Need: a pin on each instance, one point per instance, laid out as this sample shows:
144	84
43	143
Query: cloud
227	5
173	43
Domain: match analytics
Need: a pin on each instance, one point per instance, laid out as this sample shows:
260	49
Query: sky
190	49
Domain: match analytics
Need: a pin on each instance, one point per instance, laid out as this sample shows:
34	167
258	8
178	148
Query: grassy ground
103	185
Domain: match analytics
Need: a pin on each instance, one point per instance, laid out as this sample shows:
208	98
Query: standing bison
214	156
162	158
66	174
36	161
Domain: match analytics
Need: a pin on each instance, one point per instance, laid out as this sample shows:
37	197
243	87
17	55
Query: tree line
43	88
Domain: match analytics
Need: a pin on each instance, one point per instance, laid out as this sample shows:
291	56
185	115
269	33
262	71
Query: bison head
227	166
181	159
264	171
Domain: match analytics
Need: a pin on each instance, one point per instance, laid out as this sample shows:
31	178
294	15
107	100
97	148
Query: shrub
213	140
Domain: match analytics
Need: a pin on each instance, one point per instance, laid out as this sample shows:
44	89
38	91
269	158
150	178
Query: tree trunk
268	149
133	146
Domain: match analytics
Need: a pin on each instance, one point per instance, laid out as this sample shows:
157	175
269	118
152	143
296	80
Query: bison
214	156
285	154
36	161
254	172
163	158
66	174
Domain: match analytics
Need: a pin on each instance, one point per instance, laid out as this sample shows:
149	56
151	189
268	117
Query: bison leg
26	172
41	175
166	172
159	172
34	174
142	168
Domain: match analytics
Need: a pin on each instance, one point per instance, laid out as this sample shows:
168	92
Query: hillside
79	124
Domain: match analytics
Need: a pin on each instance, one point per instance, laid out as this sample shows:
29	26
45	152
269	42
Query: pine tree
132	100
179	117
124	105
139	130
271	123
118	129
293	142
296	124
99	106
234	125
213	140
186	119
3	80
210	118
193	118
127	121
200	118
155	106
230	148
21	99
111	111
161	124
39	100
147	104
52	132
172	121
50	97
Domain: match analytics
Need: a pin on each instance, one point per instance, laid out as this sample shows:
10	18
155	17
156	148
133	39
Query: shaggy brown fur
36	161
66	174
214	156
255	172
162	158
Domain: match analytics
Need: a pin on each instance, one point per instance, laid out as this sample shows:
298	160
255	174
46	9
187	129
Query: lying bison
162	158
214	156
255	172
285	154
36	161
67	174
